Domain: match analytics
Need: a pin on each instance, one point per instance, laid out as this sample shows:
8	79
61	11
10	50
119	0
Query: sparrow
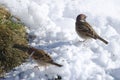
85	30
40	56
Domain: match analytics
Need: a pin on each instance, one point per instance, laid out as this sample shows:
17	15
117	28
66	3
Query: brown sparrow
40	56
85	30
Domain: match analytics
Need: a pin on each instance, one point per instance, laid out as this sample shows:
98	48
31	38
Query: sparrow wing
85	28
81	27
42	56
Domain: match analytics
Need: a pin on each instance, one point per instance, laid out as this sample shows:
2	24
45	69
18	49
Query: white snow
53	22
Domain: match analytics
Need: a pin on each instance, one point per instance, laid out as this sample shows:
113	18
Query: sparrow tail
56	64
102	40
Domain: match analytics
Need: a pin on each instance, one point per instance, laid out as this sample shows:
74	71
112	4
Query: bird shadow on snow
114	73
59	44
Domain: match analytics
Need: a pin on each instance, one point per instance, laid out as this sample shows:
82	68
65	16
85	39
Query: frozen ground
53	22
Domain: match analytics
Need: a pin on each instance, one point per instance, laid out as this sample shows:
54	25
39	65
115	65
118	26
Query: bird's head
81	17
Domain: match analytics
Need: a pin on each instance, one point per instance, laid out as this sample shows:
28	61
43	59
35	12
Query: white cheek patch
82	20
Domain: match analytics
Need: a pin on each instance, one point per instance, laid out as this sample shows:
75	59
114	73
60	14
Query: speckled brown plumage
85	30
40	56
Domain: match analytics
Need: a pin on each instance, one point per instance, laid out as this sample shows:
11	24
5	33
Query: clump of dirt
11	33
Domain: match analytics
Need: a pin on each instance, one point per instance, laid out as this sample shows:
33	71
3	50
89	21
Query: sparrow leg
81	41
31	54
77	43
85	44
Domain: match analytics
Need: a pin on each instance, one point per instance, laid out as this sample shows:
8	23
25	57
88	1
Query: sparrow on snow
40	56
85	30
